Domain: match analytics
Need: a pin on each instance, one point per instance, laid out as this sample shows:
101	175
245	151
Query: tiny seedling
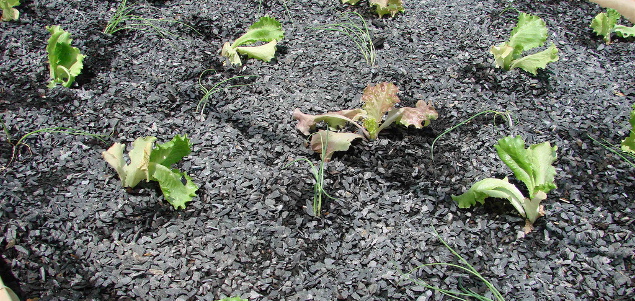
532	166
266	29
382	7
604	24
505	115
357	30
154	164
317	170
8	12
125	19
530	32
465	267
624	7
65	61
21	142
377	113
207	92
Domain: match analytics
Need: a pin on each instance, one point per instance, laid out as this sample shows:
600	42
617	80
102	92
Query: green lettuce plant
383	7
604	24
532	166
8	12
377	113
65	61
267	30
624	7
530	32
153	163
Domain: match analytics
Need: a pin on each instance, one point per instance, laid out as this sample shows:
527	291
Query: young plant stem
318	174
359	34
466	267
200	107
497	113
65	130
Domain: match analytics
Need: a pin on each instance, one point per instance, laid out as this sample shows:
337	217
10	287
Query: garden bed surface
69	230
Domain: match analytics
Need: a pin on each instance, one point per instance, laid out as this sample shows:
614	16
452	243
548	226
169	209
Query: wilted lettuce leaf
335	120
8	12
266	29
384	7
65	61
378	100
628	144
139	167
335	142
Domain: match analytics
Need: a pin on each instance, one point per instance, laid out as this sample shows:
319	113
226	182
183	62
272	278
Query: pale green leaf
543	173
384	7
174	191
231	54
65	61
138	169
604	23
503	55
8	12
491	187
532	62
114	157
624	31
530	32
511	150
264	52
335	142
352	2
624	7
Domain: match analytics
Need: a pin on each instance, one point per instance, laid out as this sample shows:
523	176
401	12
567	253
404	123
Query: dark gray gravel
69	231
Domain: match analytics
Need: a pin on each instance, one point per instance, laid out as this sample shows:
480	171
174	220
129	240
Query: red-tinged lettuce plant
532	166
377	113
382	7
153	163
530	32
266	29
604	24
8	12
65	61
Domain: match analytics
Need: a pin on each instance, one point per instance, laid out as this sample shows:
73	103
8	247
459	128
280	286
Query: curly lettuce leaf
384	7
378	100
503	55
532	62
530	165
335	120
174	191
335	142
624	31
624	7
604	23
8	12
138	169
628	144
65	61
172	151
419	116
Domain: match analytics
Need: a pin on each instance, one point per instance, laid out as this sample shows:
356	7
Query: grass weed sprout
629	158
465	293
207	92
506	115
357	30
317	170
124	19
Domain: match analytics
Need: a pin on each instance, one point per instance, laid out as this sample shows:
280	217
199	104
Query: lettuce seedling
65	61
624	7
628	144
604	24
382	7
532	166
267	29
377	113
530	32
154	164
8	12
